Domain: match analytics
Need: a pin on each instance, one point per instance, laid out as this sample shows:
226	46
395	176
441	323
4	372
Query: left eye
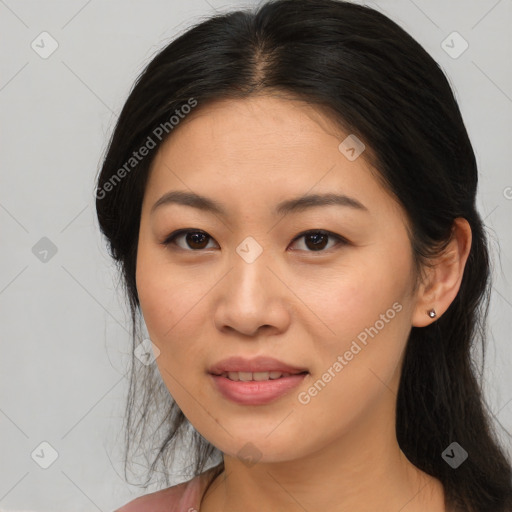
315	241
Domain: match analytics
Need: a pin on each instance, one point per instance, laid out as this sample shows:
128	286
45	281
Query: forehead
260	146
258	122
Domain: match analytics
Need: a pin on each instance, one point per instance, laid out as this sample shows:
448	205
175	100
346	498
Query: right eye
195	239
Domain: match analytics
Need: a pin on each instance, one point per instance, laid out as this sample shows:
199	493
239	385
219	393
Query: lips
257	381
259	364
256	392
256	376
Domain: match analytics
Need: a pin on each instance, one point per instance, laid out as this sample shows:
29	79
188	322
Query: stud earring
432	313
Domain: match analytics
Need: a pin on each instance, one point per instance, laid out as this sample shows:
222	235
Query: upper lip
257	364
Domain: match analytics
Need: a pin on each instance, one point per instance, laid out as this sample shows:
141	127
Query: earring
431	313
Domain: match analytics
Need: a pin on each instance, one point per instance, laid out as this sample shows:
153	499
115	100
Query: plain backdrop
64	329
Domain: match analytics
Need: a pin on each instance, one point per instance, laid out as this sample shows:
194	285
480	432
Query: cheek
166	306
358	365
155	296
174	317
365	312
173	311
161	294
354	299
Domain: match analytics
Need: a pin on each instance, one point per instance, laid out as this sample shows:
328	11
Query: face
322	287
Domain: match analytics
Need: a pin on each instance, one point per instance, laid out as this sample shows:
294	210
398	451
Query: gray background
64	337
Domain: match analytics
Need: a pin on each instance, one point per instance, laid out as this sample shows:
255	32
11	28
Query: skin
339	452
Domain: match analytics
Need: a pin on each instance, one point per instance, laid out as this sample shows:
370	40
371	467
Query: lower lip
256	392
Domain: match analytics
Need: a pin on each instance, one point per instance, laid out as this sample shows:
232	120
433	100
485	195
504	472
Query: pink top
184	497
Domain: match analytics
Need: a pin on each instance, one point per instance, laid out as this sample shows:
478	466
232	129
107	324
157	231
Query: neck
364	470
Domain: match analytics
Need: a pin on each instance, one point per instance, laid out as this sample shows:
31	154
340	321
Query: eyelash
174	235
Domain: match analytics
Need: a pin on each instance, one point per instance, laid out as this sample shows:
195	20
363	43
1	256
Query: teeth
256	376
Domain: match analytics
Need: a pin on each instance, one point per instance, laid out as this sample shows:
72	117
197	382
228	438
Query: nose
253	299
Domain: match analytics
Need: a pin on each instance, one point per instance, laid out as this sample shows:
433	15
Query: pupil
317	239
195	239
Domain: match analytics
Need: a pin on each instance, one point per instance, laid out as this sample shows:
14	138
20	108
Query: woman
290	195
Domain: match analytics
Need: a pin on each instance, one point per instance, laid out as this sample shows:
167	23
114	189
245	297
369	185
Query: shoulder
184	497
159	501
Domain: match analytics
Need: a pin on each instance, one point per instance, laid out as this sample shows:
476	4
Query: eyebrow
298	204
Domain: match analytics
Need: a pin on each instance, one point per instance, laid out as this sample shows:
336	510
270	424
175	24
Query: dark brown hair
382	86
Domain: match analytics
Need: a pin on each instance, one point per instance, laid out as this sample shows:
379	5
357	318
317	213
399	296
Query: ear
443	280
